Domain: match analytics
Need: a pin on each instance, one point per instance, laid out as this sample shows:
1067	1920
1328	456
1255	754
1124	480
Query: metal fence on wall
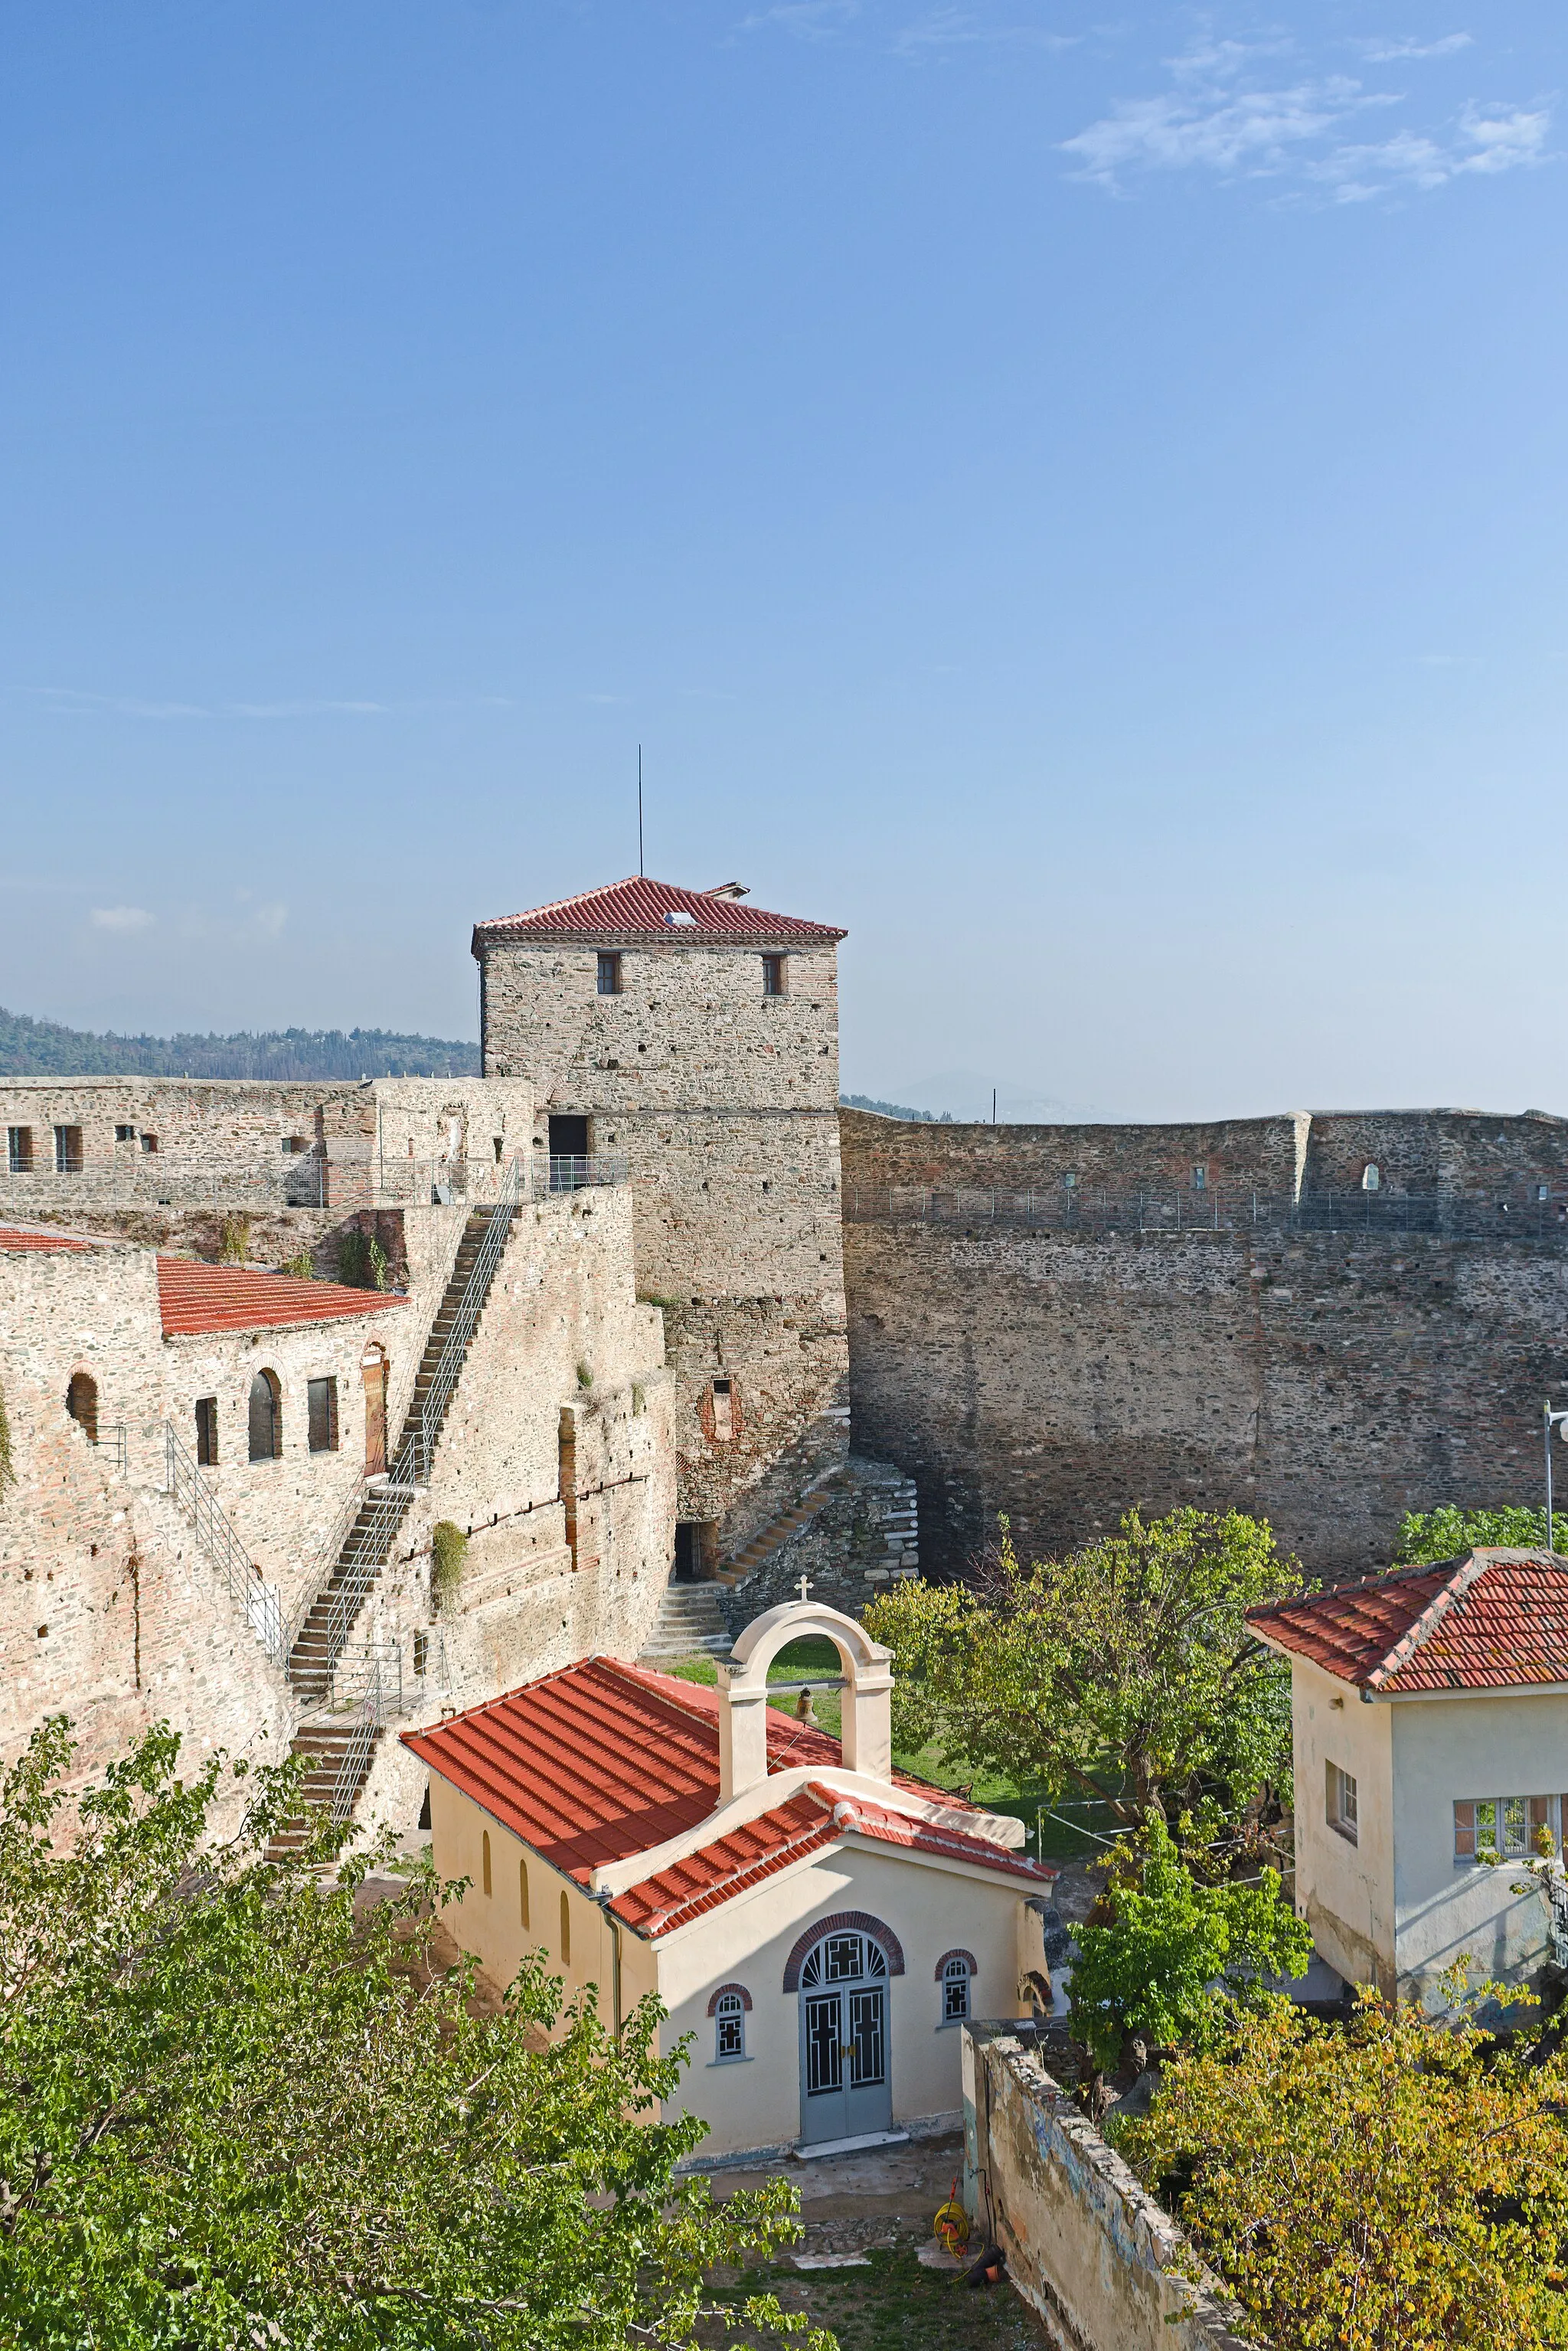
307	1181
1218	1209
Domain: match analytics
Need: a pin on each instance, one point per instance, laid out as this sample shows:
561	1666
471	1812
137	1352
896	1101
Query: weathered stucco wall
1330	1381
1094	2255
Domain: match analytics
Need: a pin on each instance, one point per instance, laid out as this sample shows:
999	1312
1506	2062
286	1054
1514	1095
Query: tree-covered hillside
44	1048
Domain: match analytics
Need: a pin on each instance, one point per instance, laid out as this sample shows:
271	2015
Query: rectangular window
19	1149
322	1404
207	1431
421	1656
723	1411
125	1134
1200	1179
68	1151
773	975
609	975
294	1144
1506	1828
150	1142
1342	1803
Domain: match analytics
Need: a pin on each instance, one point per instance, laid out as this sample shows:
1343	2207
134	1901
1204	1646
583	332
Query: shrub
361	1260
7	1472
448	1549
1448	1532
1397	2185
302	1268
233	1238
584	1376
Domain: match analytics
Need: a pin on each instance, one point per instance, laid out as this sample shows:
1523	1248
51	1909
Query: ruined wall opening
81	1403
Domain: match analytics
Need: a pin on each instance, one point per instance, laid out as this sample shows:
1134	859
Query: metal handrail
1073	1207
222	1547
576	1174
422	1432
328	1550
358	1753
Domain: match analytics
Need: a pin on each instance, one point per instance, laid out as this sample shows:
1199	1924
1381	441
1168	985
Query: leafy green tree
1126	1672
234	2112
1448	1532
1173	1957
1401	2185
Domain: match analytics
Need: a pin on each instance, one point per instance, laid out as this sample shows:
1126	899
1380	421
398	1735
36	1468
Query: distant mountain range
896	1110
44	1048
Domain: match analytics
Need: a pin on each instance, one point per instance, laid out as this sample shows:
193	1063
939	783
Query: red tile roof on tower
638	910
1494	1620
603	1760
194	1298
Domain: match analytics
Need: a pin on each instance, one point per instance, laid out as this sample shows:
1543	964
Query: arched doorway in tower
373	1365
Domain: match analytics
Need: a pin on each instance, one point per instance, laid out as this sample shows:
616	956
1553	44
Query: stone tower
696	1035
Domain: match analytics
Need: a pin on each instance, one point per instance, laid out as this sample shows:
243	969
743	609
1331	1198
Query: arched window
523	1893
81	1403
485	1859
955	1974
728	2010
565	1933
266	1418
1371	1176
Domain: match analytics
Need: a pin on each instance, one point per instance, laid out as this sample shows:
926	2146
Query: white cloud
951	28
1383	53
809	20
1223	114
309	709
124	920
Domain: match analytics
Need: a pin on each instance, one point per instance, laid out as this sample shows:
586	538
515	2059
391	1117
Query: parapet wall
1329	1380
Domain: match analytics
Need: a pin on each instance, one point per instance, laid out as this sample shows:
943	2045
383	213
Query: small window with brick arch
729	2028
955	1990
773	973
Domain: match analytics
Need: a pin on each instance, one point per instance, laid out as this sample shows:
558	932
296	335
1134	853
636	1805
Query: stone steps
690	1620
325	1746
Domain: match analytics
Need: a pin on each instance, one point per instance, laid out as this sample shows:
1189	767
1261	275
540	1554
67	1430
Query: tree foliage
1448	1532
1169	1958
1397	2186
1126	1672
233	2114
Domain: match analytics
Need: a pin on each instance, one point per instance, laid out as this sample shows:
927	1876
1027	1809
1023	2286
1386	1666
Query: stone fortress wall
1348	1356
723	1101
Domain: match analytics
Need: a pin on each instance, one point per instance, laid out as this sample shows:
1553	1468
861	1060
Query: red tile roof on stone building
194	1298
1494	1620
34	1238
638	910
603	1760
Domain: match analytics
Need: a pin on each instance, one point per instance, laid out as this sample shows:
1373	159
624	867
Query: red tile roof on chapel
639	909
1494	1620
193	1298
603	1760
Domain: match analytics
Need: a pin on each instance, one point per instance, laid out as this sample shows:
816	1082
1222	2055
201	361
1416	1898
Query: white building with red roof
819	1922
1430	1720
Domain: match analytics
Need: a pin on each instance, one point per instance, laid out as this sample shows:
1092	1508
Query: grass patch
894	2306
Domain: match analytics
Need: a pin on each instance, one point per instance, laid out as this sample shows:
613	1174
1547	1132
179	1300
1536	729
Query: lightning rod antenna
640	867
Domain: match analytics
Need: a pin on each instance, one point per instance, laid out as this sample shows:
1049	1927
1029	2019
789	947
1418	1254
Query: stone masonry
712	1065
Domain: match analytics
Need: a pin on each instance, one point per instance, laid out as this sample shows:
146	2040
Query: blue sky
1076	497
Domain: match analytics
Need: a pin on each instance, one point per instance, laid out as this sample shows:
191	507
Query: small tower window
125	1134
723	1412
150	1142
485	1859
207	1432
68	1151
322	1405
773	975
565	1933
609	975
1371	1176
266	1418
1200	1179
19	1149
523	1893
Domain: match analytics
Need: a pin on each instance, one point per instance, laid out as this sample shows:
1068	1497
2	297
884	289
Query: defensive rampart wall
1330	1379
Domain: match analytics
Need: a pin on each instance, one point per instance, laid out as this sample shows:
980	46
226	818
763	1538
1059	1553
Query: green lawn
893	2304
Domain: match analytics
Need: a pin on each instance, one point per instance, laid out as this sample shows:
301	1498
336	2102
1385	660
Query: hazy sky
1074	495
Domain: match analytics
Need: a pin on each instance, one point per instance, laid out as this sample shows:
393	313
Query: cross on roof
805	1587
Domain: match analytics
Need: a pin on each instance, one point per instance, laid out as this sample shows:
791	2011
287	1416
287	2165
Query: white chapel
821	1922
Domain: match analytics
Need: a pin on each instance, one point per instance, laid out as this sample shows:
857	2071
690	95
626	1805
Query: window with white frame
955	1979
1506	1828
729	2028
1340	1803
